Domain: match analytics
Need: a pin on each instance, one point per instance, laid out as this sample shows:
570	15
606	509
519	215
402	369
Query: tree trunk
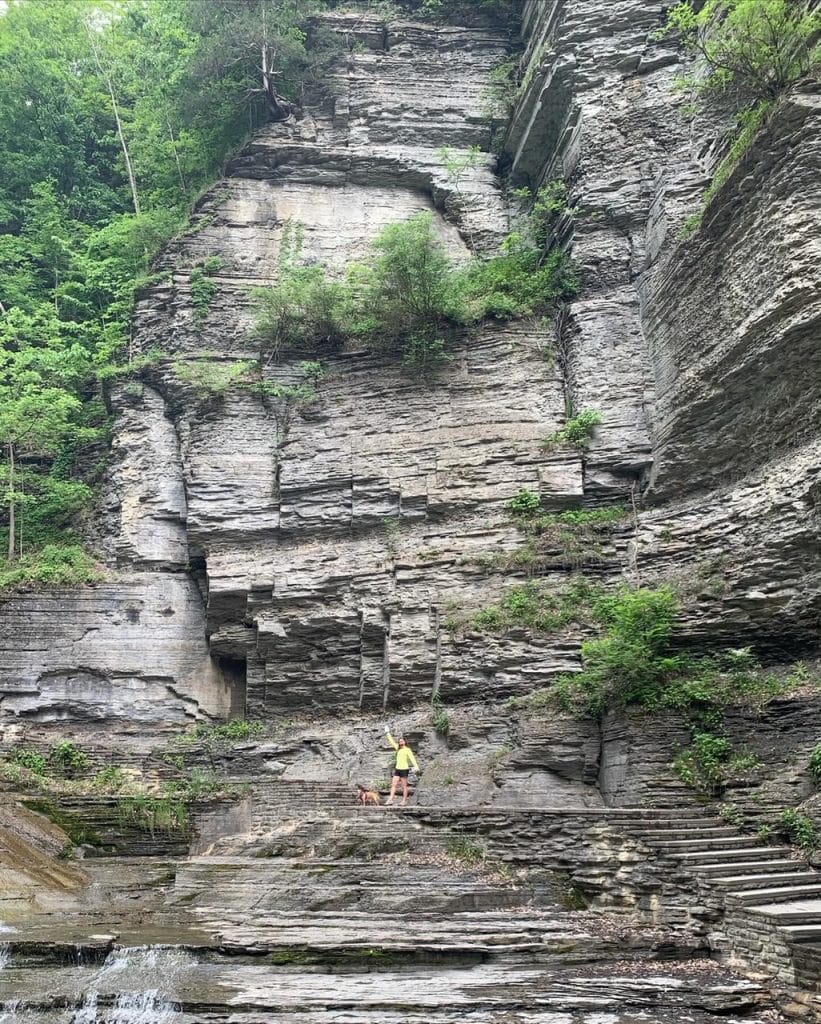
176	154
279	108
12	523
132	181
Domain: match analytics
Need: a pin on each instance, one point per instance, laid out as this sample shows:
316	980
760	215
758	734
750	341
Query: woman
404	761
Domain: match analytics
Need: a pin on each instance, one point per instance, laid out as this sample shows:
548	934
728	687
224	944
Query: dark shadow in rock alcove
234	673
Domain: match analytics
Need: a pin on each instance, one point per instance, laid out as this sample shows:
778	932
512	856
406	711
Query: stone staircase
314	909
771	898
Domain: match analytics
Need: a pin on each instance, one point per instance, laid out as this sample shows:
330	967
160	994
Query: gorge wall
314	566
271	557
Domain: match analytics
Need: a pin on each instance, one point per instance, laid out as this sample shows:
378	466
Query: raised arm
391	740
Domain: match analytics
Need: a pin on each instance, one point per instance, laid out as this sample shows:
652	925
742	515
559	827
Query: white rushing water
8	1011
126	983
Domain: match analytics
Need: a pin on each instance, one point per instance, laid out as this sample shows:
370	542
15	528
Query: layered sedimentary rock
126	657
336	536
700	354
338	546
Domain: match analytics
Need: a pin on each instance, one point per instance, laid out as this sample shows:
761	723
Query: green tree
762	45
38	414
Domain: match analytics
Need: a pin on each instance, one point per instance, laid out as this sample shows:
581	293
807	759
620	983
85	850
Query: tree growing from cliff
764	46
257	51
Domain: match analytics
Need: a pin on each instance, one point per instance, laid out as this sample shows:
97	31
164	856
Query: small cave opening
234	672
199	573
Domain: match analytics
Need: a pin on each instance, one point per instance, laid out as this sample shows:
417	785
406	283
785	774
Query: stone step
677	833
777	894
630	814
810	932
743	868
720	856
760	881
722	843
788	916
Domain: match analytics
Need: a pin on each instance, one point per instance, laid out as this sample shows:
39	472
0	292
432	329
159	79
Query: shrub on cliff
631	663
55	564
407	297
759	48
408	288
762	45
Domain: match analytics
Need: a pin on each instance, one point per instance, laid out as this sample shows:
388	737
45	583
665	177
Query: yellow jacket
404	756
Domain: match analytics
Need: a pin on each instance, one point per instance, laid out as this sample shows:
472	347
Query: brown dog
367	796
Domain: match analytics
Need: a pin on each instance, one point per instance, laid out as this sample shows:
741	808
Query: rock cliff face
698	353
311	557
314	565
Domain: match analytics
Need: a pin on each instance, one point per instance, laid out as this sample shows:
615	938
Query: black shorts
403	773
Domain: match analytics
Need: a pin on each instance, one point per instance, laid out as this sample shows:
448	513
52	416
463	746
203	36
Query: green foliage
425	356
114	116
110	779
54	565
410	283
749	122
731	814
74	827
630	663
761	45
571	539
199	784
406	298
633	663
303	312
237	730
538	608
551	200
202	288
466	849
457	161
580	517
67	759
31	760
549	203
499	96
154	814
577	431
525	503
702	765
312	370
441	719
520	281
758	47
814	764
210	377
799	829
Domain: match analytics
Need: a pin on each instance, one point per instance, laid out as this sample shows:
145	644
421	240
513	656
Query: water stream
131	987
130	976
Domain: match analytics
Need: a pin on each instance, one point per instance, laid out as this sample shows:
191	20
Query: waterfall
8	1011
133	974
